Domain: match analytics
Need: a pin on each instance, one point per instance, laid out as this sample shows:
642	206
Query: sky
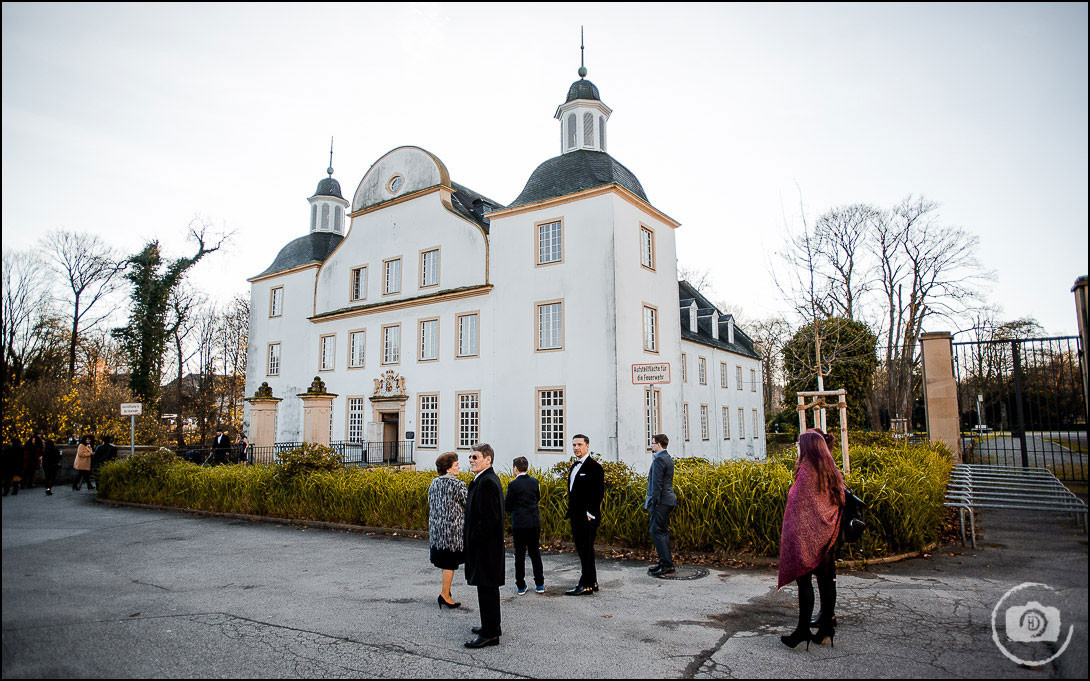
129	121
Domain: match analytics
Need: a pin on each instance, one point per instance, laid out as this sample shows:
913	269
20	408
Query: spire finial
329	170
582	66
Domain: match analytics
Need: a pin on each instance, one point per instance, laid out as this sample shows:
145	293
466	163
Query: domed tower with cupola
327	206
583	117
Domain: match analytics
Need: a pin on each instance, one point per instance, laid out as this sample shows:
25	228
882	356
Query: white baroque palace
442	313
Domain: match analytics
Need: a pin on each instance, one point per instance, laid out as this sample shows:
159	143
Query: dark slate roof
573	172
582	89
742	345
472	205
328	187
314	247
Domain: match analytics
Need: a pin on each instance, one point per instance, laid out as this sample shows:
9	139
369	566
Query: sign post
650	375
132	410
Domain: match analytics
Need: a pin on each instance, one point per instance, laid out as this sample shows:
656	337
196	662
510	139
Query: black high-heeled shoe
825	630
796	637
452	606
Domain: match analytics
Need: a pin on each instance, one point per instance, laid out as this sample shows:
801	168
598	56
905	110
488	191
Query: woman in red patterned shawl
811	524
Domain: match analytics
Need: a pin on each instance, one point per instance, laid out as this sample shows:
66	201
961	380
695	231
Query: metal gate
1022	404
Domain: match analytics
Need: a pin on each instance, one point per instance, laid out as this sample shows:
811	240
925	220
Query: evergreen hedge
734	507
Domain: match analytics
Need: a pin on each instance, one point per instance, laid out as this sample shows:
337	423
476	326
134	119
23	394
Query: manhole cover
686	573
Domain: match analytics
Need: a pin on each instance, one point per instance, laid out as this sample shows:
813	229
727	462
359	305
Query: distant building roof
314	247
472	205
574	172
742	345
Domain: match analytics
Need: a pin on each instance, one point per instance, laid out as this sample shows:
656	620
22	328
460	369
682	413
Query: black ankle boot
796	637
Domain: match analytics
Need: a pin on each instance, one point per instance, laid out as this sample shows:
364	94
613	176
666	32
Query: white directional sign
132	408
648	374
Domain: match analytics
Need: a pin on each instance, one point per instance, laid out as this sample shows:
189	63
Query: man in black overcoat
484	544
220	447
586	487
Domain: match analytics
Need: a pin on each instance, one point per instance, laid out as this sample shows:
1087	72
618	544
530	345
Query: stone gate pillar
317	404
941	390
1081	314
263	417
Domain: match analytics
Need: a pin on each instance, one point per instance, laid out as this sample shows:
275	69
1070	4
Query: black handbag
852	523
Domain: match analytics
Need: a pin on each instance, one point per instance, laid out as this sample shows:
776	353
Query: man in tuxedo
586	487
220	446
660	502
484	544
523	495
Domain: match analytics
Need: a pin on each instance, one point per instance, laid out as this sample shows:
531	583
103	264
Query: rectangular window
702	371
723	375
469	419
356	406
428	418
550	419
391	281
650	329
738	377
550	325
651	409
726	423
356	344
755	425
647	248
684	369
276	301
327	353
359	283
468	331
753	380
685	421
391	344
273	367
703	422
741	423
429	268
550	242
429	340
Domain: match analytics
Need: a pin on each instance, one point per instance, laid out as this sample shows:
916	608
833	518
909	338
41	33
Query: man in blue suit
660	502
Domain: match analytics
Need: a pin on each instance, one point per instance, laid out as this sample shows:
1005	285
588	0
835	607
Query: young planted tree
850	362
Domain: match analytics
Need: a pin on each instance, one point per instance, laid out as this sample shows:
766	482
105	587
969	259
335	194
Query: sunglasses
474	457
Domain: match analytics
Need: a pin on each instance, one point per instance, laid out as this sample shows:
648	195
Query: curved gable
417	168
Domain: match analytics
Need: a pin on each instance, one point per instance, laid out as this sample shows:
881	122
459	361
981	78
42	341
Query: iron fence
350	453
1021	403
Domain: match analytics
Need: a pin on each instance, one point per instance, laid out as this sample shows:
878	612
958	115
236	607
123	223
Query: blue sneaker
540	589
521	591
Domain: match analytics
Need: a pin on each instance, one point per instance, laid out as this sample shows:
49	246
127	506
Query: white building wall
716	448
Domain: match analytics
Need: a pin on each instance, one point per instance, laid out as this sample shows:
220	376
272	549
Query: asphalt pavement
93	590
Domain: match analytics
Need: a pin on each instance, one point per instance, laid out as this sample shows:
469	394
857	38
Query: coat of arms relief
389	384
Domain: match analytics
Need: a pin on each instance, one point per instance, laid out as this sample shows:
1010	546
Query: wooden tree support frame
819	404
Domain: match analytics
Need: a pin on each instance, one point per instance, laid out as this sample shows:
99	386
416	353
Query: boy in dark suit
523	494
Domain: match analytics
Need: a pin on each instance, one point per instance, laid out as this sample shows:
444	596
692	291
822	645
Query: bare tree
841	235
26	309
182	305
90	269
233	340
770	335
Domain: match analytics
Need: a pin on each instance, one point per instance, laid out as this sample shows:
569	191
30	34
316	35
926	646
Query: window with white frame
550	242
356	407
359	283
550	325
469	419
738	377
723	375
647	248
356	344
391	344
702	371
703	422
391	280
327	353
685	421
651	413
753	380
429	268
429	340
726	423
741	423
756	431
468	332
684	368
276	301
273	366
429	420
650	329
550	419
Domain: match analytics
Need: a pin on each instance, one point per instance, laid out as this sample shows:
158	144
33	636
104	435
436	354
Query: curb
756	561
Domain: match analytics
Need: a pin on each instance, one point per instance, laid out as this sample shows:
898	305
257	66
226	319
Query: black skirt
445	559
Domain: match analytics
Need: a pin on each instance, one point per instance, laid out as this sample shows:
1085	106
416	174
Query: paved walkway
91	590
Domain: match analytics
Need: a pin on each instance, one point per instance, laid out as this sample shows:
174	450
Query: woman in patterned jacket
446	518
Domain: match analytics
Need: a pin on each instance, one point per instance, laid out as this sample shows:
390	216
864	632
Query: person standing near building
32	458
84	453
13	466
660	502
484	544
103	453
446	523
586	488
51	464
521	501
220	447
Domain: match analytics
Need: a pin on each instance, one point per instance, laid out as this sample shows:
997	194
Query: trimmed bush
734	507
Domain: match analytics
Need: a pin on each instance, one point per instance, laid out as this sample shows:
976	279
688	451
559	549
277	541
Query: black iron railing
351	453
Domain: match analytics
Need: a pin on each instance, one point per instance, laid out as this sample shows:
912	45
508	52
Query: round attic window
395	184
